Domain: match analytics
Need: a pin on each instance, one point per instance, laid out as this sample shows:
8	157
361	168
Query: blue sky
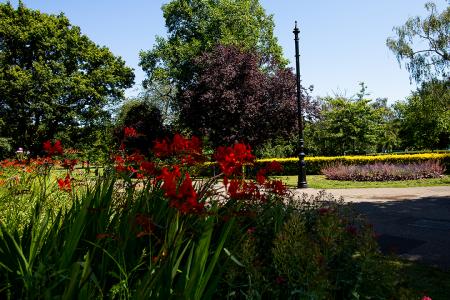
341	42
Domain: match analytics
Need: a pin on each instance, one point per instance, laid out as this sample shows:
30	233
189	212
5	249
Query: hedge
315	163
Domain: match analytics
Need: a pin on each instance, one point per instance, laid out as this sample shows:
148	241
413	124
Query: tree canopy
424	44
196	26
232	99
349	126
53	78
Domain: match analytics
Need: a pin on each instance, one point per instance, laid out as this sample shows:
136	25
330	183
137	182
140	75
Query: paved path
412	222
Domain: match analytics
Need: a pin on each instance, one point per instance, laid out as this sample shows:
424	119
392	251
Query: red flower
169	179
189	150
55	149
241	190
161	149
129	132
350	229
280	280
69	163
146	224
148	168
261	176
184	198
47	146
231	159
64	184
136	157
274	166
277	187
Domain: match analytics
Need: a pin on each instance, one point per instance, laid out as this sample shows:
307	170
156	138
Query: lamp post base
302	185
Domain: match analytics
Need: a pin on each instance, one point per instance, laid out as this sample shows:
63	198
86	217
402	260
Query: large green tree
54	81
196	26
424	118
424	44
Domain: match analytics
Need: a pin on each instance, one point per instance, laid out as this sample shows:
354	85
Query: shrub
314	164
310	248
384	171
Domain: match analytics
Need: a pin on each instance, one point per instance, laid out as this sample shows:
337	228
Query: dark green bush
312	248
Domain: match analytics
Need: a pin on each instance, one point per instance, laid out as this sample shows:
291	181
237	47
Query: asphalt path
413	223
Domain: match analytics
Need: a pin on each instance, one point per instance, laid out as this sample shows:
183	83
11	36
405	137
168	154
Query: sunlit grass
320	182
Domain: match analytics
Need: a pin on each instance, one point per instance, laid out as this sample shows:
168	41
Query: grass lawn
422	279
319	182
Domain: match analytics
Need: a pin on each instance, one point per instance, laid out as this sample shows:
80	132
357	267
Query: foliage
153	236
197	26
5	147
420	278
146	120
425	117
424	44
314	249
383	171
347	126
232	99
53	80
146	230
277	147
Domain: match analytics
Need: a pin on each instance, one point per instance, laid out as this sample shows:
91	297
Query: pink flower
426	298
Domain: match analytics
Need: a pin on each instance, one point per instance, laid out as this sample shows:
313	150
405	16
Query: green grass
319	182
423	280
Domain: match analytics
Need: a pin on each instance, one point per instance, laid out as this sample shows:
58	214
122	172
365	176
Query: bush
384	171
310	248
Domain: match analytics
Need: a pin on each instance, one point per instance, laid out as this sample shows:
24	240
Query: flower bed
145	229
384	171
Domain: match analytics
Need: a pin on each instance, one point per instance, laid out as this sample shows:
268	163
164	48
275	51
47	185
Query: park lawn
320	182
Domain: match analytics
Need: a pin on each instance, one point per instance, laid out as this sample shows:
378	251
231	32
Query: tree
145	119
233	99
347	126
196	26
424	44
425	117
53	79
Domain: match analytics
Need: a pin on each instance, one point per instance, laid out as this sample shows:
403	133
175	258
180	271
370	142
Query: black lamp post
301	183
